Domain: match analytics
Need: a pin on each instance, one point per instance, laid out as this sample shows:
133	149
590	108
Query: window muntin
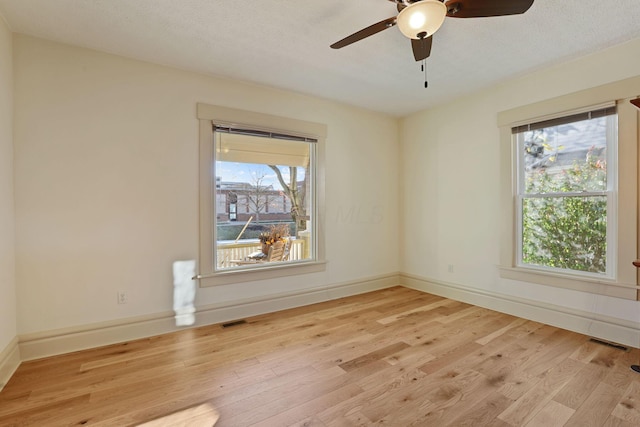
566	193
264	188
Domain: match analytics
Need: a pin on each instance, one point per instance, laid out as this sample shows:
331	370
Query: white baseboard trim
598	326
218	313
9	361
50	343
61	341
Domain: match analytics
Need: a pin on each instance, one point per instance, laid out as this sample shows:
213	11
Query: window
260	196
264	198
566	210
569	216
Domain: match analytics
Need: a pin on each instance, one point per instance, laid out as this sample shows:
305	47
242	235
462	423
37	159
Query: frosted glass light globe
421	19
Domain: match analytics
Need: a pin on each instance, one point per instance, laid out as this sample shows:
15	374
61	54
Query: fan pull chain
424	68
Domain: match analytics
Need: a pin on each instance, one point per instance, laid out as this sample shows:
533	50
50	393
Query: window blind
261	133
587	115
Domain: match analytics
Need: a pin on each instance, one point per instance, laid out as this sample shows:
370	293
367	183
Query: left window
260	198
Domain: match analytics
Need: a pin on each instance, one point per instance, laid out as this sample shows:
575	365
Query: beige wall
106	184
451	156
7	254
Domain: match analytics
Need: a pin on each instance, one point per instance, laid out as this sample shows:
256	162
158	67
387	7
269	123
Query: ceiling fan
419	19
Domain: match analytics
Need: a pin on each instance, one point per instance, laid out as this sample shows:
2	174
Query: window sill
577	283
260	273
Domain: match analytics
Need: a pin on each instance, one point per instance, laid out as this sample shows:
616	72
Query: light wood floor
395	357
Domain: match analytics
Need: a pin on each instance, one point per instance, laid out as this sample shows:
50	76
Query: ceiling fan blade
366	32
421	48
636	102
482	8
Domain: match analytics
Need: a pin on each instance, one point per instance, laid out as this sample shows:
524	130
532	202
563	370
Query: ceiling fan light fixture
421	19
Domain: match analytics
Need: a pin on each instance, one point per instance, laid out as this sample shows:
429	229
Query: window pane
565	232
263	201
565	158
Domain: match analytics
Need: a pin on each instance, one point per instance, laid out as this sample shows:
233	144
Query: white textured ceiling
285	43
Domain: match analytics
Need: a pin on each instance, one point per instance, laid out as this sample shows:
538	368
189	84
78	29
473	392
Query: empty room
336	213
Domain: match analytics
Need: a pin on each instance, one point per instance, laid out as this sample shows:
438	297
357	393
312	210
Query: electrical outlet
122	297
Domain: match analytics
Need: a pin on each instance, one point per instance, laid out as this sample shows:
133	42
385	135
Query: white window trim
625	283
206	114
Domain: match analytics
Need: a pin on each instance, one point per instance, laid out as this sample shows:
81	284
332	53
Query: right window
569	191
566	171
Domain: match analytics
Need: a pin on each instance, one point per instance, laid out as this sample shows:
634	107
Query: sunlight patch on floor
196	416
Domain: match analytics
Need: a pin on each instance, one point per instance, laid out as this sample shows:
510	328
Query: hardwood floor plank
200	415
444	397
629	408
597	408
395	357
377	387
418	311
526	407
307	409
613	421
373	356
553	414
586	352
484	412
355	419
308	422
495	334
49	413
447	357
298	397
552	350
584	383
619	376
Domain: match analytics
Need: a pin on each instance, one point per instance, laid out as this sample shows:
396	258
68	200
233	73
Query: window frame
209	114
625	282
610	193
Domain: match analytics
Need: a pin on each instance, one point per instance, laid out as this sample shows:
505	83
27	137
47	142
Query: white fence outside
228	252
